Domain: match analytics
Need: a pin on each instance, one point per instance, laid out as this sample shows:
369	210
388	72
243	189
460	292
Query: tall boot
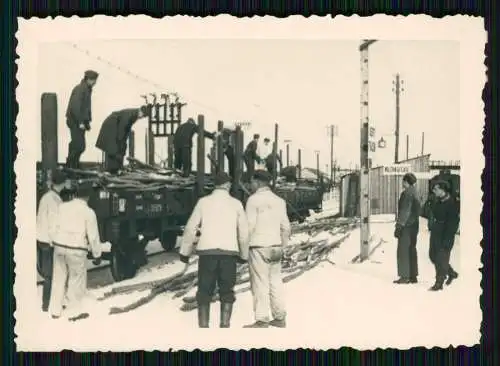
226	309
203	315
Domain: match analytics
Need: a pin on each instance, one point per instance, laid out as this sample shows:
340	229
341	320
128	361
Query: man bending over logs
114	134
221	245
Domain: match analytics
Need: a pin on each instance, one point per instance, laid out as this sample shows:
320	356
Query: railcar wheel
122	266
168	241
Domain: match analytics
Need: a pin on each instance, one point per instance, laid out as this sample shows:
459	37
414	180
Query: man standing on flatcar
45	223
79	116
269	229
406	231
75	234
263	151
250	155
114	133
221	245
443	224
183	145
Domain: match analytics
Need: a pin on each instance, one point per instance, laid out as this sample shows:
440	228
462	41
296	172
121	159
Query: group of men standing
443	215
116	128
256	234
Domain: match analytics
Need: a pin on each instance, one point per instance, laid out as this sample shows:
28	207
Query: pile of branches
137	176
297	259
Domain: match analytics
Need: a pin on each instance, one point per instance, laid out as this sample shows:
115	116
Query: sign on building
402	169
397	169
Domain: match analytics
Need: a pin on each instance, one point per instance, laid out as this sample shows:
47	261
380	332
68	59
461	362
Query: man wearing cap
406	231
443	224
78	117
222	244
114	133
76	233
45	220
250	155
269	230
183	145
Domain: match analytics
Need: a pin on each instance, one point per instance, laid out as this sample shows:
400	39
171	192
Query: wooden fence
384	189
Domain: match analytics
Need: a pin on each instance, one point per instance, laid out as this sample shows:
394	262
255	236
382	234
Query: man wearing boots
45	224
407	226
443	224
223	244
269	229
79	116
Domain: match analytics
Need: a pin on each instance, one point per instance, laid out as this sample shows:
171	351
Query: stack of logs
297	259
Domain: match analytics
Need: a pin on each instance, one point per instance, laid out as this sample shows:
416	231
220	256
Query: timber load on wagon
145	201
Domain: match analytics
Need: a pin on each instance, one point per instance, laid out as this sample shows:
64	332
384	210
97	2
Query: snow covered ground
335	304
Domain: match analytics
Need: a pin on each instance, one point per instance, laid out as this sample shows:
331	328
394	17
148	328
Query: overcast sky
303	85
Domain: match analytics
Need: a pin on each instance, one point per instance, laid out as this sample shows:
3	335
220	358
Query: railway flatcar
148	202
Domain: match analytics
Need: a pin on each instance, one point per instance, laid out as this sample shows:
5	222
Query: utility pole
364	177
331	132
422	149
397	89
407	147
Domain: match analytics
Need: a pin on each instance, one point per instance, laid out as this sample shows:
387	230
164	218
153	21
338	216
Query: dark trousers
250	164
182	159
439	255
216	270
407	252
113	163
44	264
76	146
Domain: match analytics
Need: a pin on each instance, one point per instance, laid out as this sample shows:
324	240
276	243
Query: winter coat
79	109
183	136
444	221
408	208
251	150
115	130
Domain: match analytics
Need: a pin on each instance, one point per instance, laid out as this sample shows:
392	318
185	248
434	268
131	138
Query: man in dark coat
270	162
407	226
114	134
183	145
250	155
78	117
443	223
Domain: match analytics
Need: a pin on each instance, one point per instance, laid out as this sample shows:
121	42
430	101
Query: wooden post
213	157
287	154
49	131
299	163
364	177
407	146
146	146
131	144
422	149
200	170
275	155
317	165
220	147
238	155
170	151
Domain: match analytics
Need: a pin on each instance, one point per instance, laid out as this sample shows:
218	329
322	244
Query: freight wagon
130	217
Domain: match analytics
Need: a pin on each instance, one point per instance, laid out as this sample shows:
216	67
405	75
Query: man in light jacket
76	233
222	244
269	230
45	222
406	231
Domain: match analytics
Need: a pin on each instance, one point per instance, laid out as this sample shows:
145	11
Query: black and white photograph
319	178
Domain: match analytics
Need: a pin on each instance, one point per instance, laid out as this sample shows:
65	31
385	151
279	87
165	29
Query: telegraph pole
331	132
364	186
397	89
